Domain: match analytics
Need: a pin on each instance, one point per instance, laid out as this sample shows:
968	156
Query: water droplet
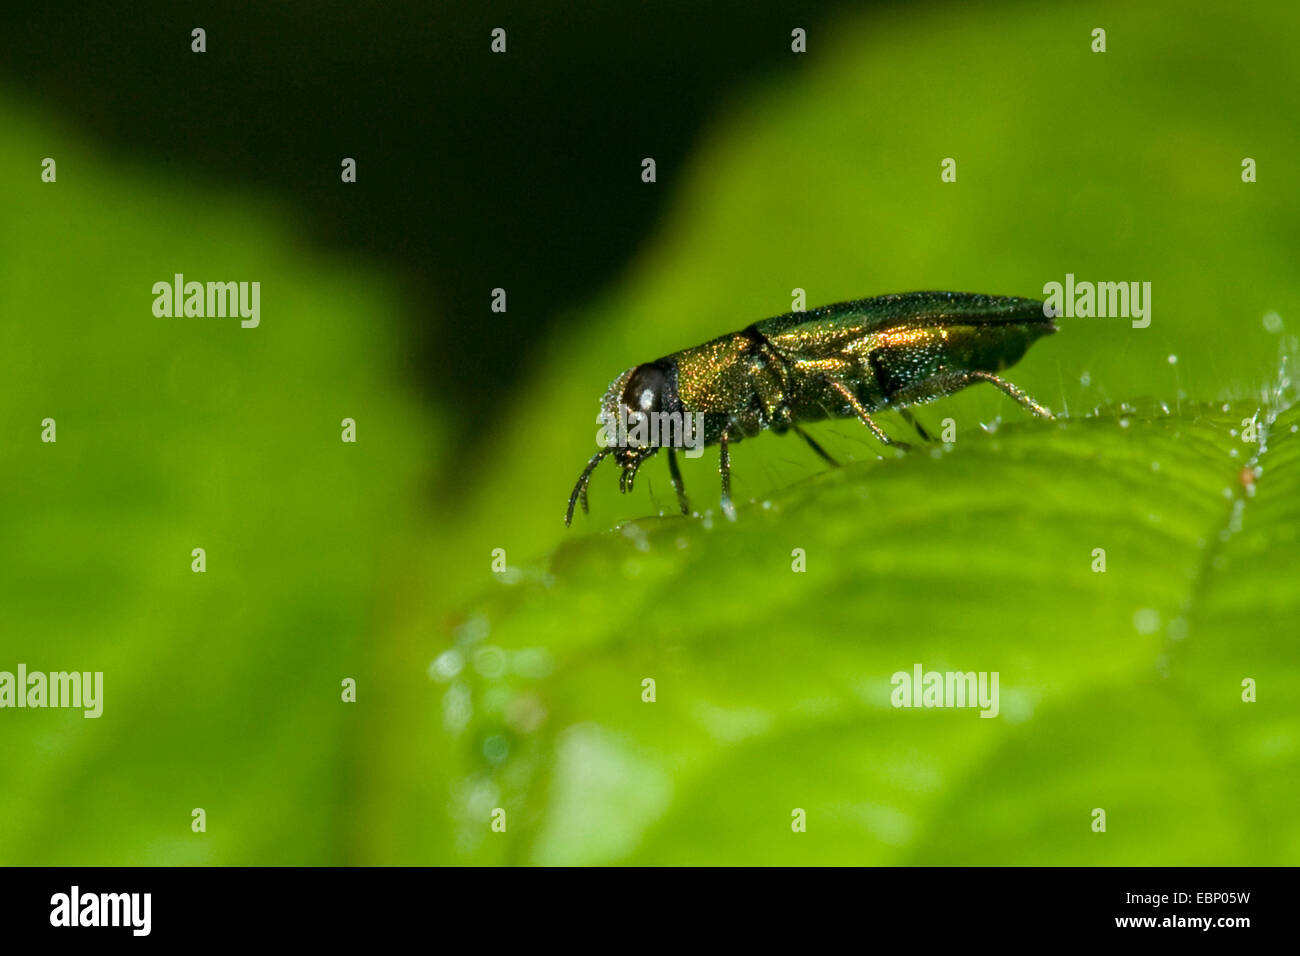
1146	620
446	665
532	663
490	662
457	706
526	713
473	630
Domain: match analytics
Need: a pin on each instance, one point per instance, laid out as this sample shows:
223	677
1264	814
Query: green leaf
221	689
773	686
522	691
1121	690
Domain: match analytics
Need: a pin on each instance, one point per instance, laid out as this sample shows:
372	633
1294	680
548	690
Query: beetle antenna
581	487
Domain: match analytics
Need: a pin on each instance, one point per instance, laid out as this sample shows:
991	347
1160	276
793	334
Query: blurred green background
522	690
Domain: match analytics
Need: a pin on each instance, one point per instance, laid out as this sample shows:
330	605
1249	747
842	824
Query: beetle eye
644	388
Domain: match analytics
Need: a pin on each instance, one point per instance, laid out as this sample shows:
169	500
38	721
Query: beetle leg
814	446
580	489
724	466
678	485
948	383
911	420
861	412
1014	391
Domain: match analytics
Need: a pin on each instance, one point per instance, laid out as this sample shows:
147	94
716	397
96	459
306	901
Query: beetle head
626	409
631	398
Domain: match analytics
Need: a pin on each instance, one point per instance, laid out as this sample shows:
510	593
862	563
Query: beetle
837	361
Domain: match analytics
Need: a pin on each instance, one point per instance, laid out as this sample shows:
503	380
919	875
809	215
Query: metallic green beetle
837	361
